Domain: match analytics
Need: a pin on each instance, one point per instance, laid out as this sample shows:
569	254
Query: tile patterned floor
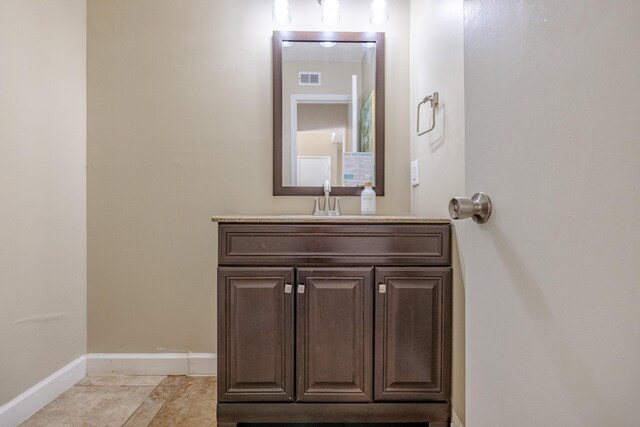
132	401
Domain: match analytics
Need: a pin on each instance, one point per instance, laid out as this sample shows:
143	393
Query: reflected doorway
321	126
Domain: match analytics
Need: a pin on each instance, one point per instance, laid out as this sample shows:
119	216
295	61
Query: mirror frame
309	36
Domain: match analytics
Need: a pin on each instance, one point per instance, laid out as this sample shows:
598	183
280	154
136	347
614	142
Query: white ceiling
312	51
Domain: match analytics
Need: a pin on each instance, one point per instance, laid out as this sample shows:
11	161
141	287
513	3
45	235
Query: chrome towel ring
433	99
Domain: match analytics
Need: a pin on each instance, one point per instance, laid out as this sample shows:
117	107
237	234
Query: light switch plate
415	172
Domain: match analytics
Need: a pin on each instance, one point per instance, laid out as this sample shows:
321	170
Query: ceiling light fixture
379	14
281	11
327	44
330	11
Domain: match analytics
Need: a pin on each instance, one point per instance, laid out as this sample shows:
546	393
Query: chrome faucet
326	206
327	191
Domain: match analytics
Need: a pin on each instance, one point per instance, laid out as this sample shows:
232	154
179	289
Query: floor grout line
142	403
175	389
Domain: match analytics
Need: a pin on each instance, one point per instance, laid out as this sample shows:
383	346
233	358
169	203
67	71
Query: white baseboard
152	363
203	364
37	397
455	420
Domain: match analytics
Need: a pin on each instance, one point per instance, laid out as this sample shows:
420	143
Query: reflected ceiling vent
309	78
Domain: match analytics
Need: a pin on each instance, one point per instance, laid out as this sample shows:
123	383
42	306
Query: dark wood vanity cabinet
412	328
334	323
255	342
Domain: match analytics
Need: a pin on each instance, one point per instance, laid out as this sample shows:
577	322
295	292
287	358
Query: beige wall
314	117
437	64
42	190
552	135
179	129
315	144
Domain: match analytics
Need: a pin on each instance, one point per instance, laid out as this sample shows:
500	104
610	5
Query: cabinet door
334	334
255	334
413	334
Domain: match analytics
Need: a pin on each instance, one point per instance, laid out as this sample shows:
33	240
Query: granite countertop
367	219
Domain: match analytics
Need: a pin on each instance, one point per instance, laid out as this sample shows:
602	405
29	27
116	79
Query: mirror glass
328	113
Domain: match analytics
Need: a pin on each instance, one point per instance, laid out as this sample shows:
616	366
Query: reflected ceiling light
379	14
327	44
330	11
369	44
281	11
287	44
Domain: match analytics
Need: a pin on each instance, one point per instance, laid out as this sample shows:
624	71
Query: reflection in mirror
319	143
327	112
328	93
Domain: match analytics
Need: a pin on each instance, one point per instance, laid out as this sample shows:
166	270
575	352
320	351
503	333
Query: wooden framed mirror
328	112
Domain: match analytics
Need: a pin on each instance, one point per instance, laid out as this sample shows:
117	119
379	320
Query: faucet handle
336	206
316	206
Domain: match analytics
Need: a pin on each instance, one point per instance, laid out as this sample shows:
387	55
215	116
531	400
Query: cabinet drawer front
413	334
334	335
337	244
255	335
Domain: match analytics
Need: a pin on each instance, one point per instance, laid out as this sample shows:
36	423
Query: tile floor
132	401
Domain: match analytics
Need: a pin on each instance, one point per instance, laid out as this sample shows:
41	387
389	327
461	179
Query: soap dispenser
368	200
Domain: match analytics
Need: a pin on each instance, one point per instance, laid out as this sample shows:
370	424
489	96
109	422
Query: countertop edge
342	219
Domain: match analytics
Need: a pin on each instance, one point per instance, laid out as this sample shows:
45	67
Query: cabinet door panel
413	334
334	335
255	335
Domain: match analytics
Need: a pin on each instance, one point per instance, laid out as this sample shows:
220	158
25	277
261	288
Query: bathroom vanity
334	319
